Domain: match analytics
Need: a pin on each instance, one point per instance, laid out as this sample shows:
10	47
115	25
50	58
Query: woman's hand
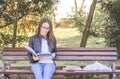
53	55
36	58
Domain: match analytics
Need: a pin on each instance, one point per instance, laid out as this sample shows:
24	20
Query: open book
46	56
31	50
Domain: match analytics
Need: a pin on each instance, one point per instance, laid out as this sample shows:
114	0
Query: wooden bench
109	55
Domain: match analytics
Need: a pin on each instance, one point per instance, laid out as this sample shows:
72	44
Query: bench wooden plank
13	58
70	53
86	58
112	49
65	58
62	72
14	53
86	72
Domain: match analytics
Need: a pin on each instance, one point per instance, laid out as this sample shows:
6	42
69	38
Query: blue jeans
43	70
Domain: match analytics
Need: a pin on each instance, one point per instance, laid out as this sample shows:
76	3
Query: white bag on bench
96	66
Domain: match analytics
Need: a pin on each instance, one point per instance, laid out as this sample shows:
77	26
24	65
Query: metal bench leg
5	76
113	76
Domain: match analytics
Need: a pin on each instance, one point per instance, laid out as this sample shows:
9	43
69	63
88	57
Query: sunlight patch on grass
67	37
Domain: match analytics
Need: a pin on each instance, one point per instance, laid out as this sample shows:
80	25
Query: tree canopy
15	12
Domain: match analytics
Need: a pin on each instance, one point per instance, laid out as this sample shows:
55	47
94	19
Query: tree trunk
14	34
88	24
76	11
14	41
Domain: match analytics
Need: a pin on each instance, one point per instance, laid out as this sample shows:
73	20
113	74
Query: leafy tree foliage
8	9
112	7
13	13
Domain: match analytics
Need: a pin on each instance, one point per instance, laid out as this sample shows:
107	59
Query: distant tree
11	11
97	26
78	13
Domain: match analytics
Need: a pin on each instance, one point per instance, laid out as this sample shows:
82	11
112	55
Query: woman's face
44	29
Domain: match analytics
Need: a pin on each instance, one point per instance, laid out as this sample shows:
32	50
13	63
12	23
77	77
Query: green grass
71	37
67	37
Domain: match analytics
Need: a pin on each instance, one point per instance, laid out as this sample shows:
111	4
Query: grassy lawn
70	37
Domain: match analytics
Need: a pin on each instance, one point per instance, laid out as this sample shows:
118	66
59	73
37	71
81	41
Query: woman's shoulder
34	36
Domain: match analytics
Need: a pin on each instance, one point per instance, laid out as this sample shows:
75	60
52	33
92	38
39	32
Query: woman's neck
43	36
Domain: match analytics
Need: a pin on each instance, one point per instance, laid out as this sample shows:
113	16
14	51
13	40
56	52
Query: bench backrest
66	54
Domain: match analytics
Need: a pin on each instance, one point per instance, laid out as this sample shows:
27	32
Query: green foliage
80	21
12	11
113	21
6	39
9	8
98	22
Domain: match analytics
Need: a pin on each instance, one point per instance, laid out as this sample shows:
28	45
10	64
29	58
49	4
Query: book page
30	49
45	56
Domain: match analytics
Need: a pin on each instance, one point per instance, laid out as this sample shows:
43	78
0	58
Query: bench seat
108	55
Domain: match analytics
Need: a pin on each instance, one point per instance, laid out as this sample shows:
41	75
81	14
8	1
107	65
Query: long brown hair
50	35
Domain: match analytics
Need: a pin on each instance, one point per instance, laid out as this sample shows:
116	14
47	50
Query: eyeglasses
47	28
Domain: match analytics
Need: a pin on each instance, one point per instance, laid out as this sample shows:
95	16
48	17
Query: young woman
43	42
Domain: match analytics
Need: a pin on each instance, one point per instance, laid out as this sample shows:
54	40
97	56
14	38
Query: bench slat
112	49
18	53
65	58
12	58
70	53
62	72
87	58
14	53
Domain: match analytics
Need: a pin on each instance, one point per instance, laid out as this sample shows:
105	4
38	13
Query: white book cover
45	56
31	50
